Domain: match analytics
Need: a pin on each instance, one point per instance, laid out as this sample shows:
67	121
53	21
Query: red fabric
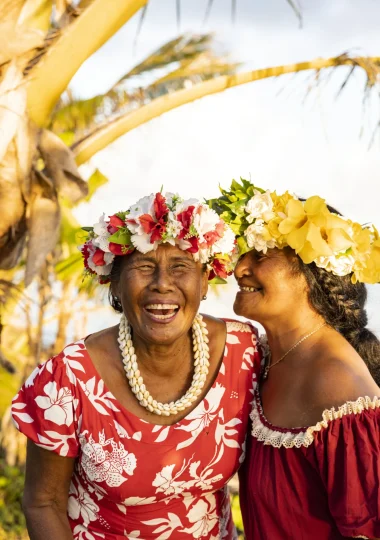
327	491
134	479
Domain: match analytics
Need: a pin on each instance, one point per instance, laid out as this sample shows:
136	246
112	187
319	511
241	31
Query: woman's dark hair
342	304
115	276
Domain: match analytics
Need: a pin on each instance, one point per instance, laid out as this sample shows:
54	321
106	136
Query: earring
204	298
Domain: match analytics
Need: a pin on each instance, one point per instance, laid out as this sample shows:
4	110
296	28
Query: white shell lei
201	365
305	438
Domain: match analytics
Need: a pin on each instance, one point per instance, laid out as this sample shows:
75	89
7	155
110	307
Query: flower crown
159	219
262	220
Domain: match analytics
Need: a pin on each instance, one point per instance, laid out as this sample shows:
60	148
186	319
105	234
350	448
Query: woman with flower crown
134	431
312	469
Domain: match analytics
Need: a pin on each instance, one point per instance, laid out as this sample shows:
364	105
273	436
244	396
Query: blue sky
267	130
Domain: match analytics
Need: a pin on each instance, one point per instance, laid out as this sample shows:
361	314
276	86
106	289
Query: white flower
255	237
166	484
104	270
143	206
204	518
260	206
339	265
205	220
102	465
141	242
173	228
226	243
58	405
102	234
81	504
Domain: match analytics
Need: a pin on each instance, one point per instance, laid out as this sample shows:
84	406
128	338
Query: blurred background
103	102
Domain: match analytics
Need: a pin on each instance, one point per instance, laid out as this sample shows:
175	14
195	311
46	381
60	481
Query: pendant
266	371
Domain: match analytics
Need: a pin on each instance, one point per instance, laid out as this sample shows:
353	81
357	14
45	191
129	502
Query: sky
283	134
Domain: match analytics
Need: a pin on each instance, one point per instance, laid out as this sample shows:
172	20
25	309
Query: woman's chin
244	308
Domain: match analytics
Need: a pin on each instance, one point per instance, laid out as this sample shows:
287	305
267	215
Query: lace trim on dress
237	326
289	439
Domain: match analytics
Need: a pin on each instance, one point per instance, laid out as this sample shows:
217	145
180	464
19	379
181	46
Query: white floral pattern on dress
102	464
57	404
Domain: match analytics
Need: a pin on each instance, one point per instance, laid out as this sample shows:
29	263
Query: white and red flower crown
159	219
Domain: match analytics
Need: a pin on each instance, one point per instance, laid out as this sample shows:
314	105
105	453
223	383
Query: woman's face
269	286
160	292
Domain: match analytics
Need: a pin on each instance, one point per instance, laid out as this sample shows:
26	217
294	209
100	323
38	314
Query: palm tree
37	168
37	121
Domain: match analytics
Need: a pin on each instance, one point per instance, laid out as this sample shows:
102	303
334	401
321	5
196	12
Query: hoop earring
204	298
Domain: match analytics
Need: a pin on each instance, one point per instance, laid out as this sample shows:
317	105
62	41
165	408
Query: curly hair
342	305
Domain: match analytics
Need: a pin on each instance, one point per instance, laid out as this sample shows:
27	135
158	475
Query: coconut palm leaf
103	136
186	59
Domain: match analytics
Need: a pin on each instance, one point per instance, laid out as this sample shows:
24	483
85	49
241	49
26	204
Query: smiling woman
135	430
313	461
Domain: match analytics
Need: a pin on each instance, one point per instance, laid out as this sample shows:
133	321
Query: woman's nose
163	281
242	268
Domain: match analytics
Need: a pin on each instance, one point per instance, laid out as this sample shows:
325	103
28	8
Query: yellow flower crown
262	220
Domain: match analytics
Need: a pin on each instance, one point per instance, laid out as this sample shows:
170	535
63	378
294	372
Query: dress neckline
278	437
130	414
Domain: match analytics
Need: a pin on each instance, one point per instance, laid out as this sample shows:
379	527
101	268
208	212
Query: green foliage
231	207
12	521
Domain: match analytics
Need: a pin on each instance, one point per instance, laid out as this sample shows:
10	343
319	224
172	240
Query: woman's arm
47	484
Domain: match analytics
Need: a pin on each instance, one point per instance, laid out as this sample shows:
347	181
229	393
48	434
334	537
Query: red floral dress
134	479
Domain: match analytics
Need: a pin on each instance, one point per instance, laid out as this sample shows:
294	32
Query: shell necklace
201	365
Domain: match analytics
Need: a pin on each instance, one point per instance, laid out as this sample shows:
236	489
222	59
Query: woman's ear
204	288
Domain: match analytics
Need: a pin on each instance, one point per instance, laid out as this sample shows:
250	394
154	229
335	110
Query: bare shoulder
215	326
102	339
333	380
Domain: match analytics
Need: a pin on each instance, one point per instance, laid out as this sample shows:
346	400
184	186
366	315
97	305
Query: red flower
218	268
120	249
98	257
213	236
86	254
185	219
114	224
194	244
155	227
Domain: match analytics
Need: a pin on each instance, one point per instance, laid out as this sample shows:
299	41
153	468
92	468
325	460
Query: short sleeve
348	457
45	409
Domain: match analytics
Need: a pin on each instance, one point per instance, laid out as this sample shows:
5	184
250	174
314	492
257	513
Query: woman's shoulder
340	382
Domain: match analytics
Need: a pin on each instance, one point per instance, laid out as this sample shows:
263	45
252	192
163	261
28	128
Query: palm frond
152	108
184	60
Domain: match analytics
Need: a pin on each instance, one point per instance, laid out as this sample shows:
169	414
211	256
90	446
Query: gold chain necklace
269	366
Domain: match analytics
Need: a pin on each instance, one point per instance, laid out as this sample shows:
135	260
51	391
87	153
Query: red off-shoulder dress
315	483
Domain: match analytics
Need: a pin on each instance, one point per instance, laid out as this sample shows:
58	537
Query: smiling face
269	286
160	292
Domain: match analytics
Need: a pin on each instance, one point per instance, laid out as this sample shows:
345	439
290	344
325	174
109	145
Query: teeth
169	316
162	306
249	289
